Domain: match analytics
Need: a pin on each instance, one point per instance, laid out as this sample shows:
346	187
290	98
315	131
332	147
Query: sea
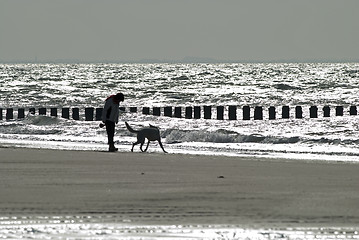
333	138
322	138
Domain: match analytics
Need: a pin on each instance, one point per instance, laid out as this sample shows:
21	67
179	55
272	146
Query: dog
152	133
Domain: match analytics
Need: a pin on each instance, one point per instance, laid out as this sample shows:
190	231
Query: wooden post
326	111
99	114
42	111
353	110
313	112
168	111
339	111
9	113
285	112
0	113
89	114
156	111
53	112
258	113
232	112
207	112
298	112
75	114
178	112
146	110
220	112
197	112
32	111
189	112
246	113
272	113
65	113
21	113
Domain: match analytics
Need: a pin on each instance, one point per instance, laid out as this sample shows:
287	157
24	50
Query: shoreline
178	189
290	156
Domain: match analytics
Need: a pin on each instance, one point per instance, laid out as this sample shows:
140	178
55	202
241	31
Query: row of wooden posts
195	112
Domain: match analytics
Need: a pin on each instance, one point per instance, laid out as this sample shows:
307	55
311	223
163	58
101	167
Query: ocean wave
183	77
33	125
177	136
42	120
223	136
282	86
17	129
333	141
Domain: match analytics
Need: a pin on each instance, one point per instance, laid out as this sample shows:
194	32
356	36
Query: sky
173	30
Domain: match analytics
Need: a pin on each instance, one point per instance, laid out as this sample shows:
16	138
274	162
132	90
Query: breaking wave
34	125
43	120
177	136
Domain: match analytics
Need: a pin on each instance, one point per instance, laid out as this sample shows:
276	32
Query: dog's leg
142	146
134	144
159	141
148	143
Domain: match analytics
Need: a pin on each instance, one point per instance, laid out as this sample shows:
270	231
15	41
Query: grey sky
121	30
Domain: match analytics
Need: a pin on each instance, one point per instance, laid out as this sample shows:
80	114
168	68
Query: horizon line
182	61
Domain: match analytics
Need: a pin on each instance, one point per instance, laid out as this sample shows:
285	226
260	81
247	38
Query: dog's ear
151	126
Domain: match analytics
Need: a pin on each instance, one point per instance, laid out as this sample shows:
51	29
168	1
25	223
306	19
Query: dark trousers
110	129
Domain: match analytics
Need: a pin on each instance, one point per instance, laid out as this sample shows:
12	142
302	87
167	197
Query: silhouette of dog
152	133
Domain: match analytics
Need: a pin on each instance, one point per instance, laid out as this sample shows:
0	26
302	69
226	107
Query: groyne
231	112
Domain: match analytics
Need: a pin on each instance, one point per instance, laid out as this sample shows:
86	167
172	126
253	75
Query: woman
110	117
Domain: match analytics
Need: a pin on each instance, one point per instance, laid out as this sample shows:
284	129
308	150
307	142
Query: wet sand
174	189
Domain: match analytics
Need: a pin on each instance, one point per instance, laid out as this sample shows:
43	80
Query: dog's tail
130	128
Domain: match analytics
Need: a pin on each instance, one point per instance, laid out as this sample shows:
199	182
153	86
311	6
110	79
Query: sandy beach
162	189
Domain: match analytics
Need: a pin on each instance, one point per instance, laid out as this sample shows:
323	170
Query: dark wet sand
156	188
